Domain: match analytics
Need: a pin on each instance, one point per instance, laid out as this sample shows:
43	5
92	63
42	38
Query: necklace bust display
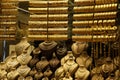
12	63
36	51
48	72
85	59
47	48
70	66
38	75
24	58
65	58
3	65
82	73
47	45
3	73
61	51
67	76
108	66
78	47
59	73
54	62
23	70
42	64
34	60
13	53
13	74
22	45
33	72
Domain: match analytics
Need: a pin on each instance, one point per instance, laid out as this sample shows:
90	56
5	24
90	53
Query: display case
59	40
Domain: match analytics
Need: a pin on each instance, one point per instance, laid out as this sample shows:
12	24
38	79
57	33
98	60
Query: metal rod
47	17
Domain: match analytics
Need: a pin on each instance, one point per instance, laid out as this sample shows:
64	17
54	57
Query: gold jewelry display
24	58
3	65
59	73
34	60
3	73
52	3
104	15
42	64
33	72
70	66
13	74
84	9
38	75
12	54
48	72
9	1
55	17
105	2
12	63
21	46
82	73
54	62
78	48
84	59
47	18
105	7
29	78
8	19
45	78
65	58
83	16
21	78
67	76
83	2
98	77
108	66
23	70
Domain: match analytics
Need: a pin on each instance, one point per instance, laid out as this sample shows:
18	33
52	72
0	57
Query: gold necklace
24	57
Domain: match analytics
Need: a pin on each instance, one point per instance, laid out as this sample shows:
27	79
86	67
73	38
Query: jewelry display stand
23	70
21	46
82	73
24	58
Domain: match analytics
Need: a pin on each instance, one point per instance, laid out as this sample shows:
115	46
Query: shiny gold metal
83	2
106	7
44	37
41	4
105	1
83	16
105	15
84	9
9	11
